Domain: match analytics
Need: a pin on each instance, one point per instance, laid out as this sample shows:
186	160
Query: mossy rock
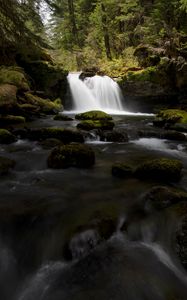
147	55
8	98
173	116
162	169
6	164
179	127
64	135
14	76
10	120
161	197
74	155
93	115
47	77
50	143
147	74
6	137
90	125
122	170
113	136
60	117
163	134
173	135
46	106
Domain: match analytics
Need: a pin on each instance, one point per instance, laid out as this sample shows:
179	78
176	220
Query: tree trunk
105	32
73	21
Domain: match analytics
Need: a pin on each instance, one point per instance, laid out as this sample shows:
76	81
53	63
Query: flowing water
97	92
52	245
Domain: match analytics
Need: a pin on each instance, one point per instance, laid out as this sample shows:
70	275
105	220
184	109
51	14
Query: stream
50	247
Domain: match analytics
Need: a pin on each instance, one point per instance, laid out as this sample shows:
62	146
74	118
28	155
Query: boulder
161	197
74	155
64	135
161	169
86	237
11	120
47	77
181	241
89	72
170	117
148	56
90	125
162	134
45	105
113	136
93	115
122	170
60	117
8	98
50	143
5	165
6	137
14	76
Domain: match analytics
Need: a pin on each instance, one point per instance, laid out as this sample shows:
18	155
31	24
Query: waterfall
97	92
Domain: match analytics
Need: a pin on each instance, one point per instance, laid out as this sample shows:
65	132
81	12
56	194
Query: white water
98	92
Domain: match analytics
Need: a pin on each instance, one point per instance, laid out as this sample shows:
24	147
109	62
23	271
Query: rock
181	76
89	72
102	125
161	169
172	116
122	170
10	120
164	134
8	98
14	76
86	237
74	155
60	117
161	197
46	106
148	56
181	241
6	164
179	127
93	115
64	135
113	136
174	136
29	110
82	243
47	77
6	137
50	143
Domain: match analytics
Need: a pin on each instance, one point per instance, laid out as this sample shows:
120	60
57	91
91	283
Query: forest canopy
93	32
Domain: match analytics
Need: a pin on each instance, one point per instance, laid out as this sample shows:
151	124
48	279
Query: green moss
173	116
7	120
102	124
163	169
5	165
14	76
147	74
49	78
75	155
64	135
60	117
6	137
93	115
45	105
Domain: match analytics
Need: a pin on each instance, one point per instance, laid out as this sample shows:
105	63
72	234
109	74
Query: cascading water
97	92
